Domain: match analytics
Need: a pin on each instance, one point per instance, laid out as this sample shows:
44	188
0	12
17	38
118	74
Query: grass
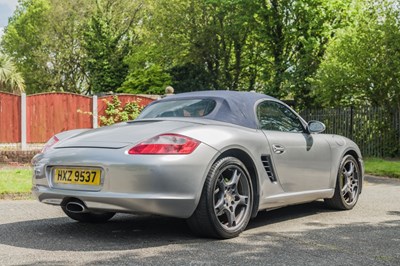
15	182
382	167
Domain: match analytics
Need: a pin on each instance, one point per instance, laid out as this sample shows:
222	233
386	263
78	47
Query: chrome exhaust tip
75	207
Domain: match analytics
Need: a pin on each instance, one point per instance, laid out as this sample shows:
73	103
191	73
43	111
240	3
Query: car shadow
288	213
378	180
159	241
125	232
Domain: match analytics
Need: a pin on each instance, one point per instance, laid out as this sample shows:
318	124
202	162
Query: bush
116	113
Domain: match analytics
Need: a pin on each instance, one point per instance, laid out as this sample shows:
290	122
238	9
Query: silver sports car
215	158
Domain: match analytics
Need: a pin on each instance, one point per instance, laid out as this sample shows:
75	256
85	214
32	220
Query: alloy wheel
231	197
349	182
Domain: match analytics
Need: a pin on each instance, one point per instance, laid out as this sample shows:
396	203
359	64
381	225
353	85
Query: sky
7	8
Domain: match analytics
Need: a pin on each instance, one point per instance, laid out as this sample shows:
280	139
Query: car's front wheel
226	202
89	217
347	187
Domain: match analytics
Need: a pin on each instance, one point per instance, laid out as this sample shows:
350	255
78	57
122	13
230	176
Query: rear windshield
179	108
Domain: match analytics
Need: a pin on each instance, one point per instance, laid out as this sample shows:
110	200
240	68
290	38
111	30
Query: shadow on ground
124	231
382	180
154	240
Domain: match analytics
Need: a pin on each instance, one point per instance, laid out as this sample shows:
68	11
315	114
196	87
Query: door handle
278	149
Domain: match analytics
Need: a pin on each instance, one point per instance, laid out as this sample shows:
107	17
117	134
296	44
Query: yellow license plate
77	176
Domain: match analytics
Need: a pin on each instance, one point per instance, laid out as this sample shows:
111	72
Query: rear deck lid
121	135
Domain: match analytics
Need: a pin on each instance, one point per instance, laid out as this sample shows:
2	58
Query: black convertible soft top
231	106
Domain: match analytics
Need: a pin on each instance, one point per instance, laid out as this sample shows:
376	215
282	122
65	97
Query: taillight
166	144
50	143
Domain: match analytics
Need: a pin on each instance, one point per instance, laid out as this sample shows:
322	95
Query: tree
151	80
77	46
210	41
64	41
362	63
295	34
44	37
10	79
108	40
190	77
269	46
23	39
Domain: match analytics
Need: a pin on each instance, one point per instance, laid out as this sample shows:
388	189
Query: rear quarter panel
225	137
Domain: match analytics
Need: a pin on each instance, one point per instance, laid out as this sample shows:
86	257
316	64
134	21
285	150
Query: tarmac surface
32	233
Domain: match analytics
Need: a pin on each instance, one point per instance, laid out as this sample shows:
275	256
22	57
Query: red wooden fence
50	113
10	118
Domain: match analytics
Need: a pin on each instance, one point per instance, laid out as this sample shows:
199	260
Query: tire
89	217
347	188
226	201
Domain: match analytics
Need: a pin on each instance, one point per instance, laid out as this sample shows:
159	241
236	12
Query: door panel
302	161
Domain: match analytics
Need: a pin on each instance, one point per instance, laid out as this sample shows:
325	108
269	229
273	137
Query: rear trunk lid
121	135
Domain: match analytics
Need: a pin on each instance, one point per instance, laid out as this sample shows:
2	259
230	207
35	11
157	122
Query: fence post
94	111
351	121
23	122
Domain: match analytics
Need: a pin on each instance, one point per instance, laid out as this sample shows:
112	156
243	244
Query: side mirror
316	126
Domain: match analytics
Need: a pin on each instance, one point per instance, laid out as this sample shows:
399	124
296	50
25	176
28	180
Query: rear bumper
167	185
179	206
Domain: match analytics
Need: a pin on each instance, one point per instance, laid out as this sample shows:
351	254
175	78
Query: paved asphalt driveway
32	233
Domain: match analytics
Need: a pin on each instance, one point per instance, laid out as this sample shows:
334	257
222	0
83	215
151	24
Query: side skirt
291	198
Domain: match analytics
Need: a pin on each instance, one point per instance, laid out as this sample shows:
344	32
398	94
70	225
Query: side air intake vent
266	161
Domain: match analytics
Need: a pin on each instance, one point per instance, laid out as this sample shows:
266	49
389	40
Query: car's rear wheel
89	217
347	187
226	202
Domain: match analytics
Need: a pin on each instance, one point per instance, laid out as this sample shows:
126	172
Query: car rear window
179	108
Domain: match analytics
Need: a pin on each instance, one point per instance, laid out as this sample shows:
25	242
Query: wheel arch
353	153
246	159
